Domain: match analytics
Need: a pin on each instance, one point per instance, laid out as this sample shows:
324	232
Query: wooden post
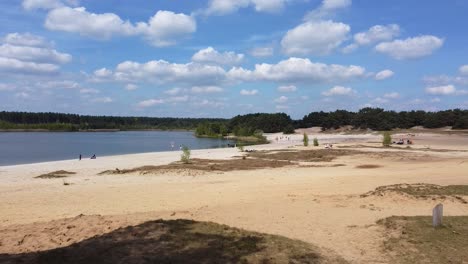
437	213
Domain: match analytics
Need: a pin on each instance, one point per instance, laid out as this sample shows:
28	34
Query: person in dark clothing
80	157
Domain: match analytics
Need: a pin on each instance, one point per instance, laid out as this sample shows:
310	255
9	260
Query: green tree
316	143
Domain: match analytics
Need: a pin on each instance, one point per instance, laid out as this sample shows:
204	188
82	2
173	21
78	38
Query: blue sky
220	58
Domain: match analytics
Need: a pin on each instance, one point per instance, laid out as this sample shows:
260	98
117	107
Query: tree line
380	119
74	122
241	125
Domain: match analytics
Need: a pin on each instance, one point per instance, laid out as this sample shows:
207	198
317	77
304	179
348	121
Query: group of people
402	141
92	157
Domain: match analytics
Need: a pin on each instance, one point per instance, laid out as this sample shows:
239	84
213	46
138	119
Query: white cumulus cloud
464	69
339	91
377	33
165	28
294	70
150	102
212	56
385	74
315	38
27	53
223	7
206	89
281	100
410	48
441	90
327	8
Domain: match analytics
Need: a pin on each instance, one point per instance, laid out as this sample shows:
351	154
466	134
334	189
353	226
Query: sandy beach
317	202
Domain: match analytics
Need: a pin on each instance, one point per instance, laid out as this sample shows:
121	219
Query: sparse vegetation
316	143
55	174
305	140
423	190
185	157
387	139
414	240
368	166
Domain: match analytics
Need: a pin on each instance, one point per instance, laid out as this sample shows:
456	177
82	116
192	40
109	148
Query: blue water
32	147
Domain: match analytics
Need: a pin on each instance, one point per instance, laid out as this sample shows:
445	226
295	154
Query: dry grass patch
55	174
414	240
423	190
205	165
180	241
319	155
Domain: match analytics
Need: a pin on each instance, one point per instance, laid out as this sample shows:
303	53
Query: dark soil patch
368	166
179	241
414	240
55	174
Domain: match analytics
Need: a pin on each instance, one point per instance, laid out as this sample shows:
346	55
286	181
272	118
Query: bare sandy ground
320	205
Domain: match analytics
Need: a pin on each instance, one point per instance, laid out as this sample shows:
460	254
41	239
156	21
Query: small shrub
387	139
185	157
240	147
305	139
316	143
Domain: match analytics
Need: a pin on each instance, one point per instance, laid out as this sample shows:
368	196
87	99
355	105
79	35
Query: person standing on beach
80	157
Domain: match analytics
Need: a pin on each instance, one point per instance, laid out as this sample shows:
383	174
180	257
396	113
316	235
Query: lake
31	147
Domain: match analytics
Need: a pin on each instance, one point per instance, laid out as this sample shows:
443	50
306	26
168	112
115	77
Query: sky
221	58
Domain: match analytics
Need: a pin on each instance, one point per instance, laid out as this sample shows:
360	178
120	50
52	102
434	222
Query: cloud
29	54
89	91
262	52
439	80
165	28
339	91
464	69
441	90
377	33
314	38
25	39
104	100
281	107
281	100
296	70
41	4
385	74
177	99
224	7
287	88
206	89
173	91
163	72
131	87
393	95
212	56
249	92
22	95
7	87
291	71
327	8
410	48
150	102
